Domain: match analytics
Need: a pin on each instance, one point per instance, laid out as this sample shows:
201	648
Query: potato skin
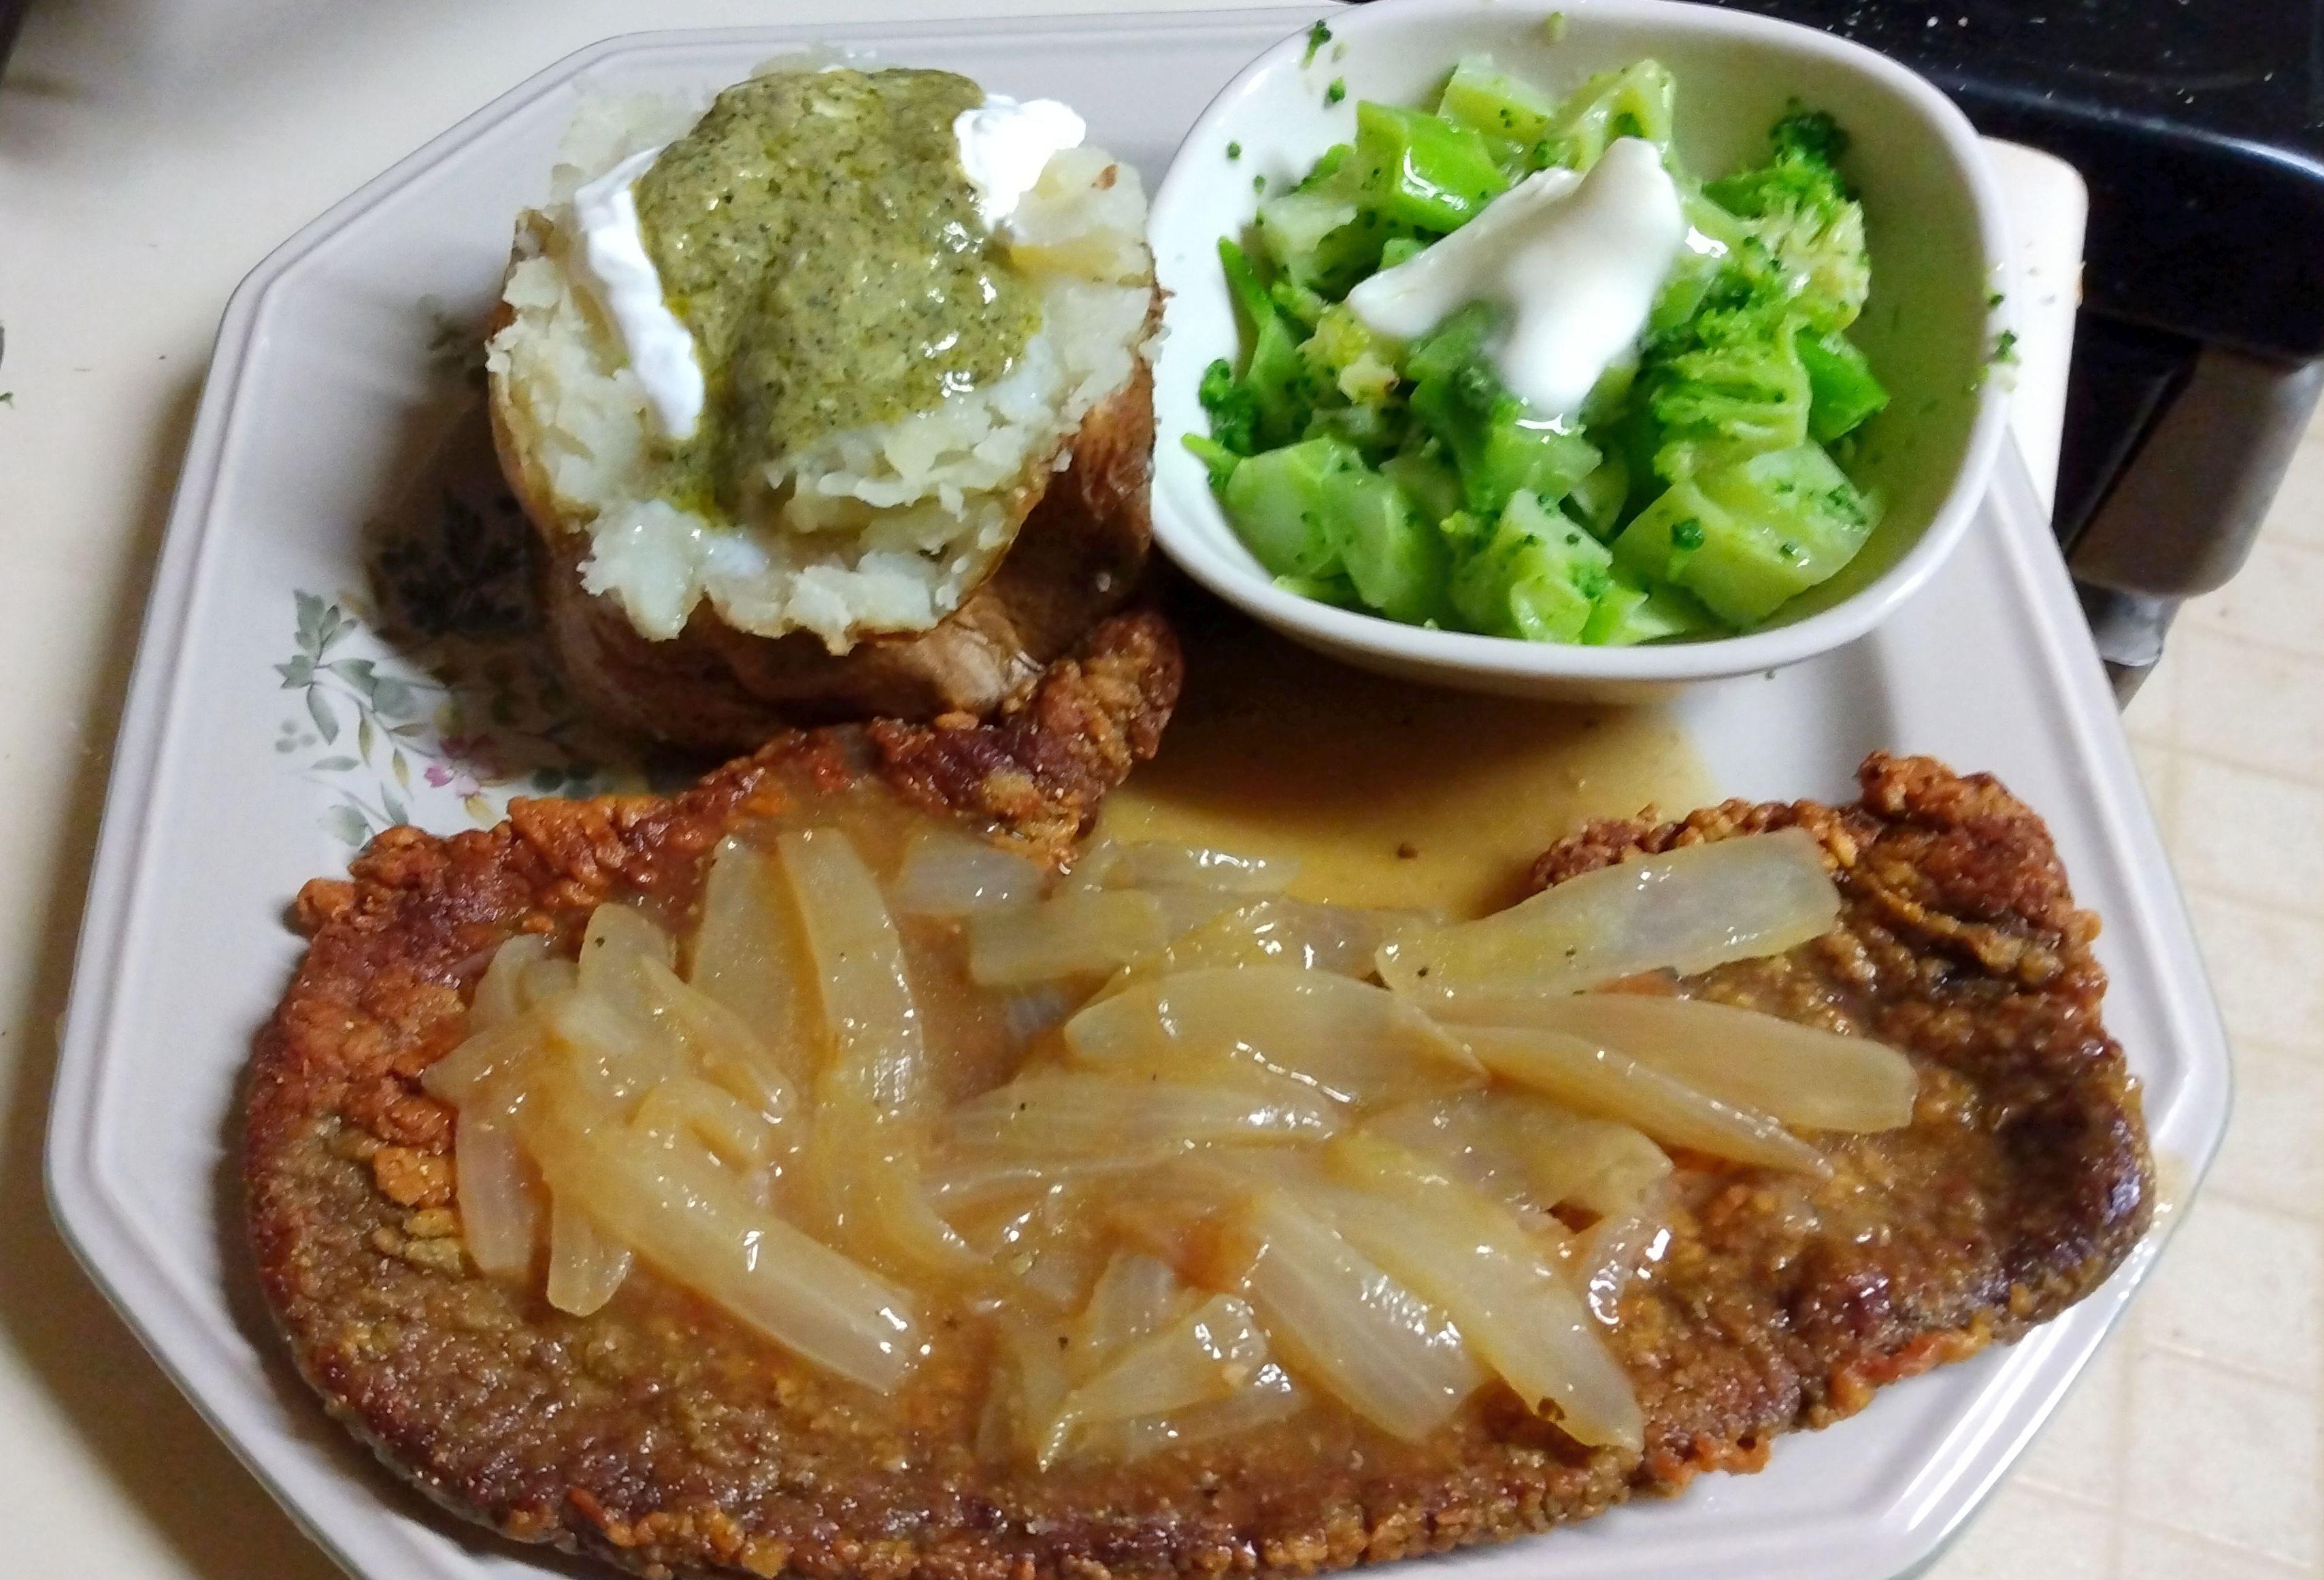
1080	552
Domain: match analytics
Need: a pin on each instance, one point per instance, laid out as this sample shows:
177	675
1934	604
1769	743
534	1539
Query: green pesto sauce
817	232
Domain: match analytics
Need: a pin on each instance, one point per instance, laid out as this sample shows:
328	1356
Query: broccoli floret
1233	410
1799	209
1459	399
1746	301
1731	380
1811	135
1727	382
1534	575
1726	402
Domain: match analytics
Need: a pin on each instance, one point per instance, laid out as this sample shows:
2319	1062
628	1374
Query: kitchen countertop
150	154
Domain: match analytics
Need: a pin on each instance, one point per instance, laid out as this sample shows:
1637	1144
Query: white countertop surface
150	154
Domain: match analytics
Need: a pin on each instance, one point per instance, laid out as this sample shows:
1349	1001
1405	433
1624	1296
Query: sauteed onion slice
1596	1081
1341	1322
1346	1040
1801	1075
1686	911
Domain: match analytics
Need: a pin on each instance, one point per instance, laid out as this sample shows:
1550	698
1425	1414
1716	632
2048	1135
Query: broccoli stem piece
1842	391
1497	447
1423	171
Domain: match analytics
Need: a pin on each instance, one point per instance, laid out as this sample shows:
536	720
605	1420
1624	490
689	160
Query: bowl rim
1459	655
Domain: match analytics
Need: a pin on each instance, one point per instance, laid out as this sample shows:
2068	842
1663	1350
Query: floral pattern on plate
427	697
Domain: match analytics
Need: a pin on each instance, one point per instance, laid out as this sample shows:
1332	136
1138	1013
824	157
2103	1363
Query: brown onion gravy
1386	793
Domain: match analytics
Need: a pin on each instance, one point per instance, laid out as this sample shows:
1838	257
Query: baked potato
931	563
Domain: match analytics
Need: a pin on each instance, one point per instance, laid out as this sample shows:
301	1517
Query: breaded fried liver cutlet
666	1430
2021	1184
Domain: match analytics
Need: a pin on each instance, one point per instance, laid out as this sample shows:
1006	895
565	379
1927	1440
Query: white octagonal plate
278	714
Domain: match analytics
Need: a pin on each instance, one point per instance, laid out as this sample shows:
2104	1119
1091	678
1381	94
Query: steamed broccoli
1811	135
1638	101
1728	402
1349	357
1326	233
1217	461
1533	573
1495	442
1800	210
1234	414
1725	383
1737	374
1690	491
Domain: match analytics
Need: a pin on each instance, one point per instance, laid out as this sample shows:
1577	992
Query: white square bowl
1939	299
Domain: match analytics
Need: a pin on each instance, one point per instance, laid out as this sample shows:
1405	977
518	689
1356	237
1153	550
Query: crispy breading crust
1961	944
670	1441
